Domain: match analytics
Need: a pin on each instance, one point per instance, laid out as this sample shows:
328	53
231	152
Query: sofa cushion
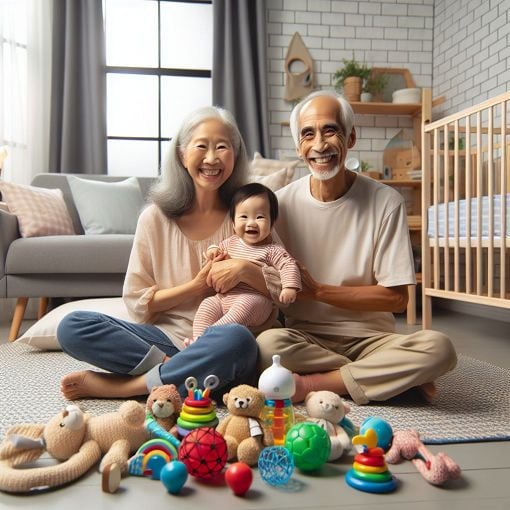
107	207
108	253
40	212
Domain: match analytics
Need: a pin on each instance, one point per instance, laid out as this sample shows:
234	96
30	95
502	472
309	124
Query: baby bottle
277	384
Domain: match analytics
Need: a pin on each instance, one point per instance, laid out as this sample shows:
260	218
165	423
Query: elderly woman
166	279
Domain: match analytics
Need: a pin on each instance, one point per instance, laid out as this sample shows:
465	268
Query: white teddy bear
327	409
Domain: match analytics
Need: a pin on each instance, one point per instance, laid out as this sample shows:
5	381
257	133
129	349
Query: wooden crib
466	205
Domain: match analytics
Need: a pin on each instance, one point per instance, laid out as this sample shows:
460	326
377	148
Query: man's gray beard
324	176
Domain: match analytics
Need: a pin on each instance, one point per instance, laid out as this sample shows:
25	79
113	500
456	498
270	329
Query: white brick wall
380	33
471	55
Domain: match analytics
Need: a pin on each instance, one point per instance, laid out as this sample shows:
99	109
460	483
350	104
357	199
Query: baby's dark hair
251	190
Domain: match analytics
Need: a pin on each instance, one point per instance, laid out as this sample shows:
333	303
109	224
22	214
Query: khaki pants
373	368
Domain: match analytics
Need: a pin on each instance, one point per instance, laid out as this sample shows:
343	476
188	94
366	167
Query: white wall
381	33
471	51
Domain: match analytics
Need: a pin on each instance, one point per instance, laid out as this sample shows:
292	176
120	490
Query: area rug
473	402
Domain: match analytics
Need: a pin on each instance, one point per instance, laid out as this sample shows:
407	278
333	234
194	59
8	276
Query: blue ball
382	428
275	465
173	476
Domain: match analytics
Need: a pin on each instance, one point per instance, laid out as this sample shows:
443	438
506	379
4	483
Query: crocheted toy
164	405
242	429
76	439
327	409
436	469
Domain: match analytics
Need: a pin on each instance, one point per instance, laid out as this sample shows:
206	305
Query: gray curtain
239	68
78	90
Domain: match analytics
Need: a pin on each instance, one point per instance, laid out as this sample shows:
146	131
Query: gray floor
485	484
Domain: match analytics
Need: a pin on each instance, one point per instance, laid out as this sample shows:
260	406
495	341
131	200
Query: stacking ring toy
369	460
366	486
374	477
368	469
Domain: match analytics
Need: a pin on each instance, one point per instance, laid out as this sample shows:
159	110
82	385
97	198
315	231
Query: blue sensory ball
382	428
173	475
275	465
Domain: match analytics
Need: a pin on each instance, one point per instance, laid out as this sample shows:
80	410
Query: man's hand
225	274
310	286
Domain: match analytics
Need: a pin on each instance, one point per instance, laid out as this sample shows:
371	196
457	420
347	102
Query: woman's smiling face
209	156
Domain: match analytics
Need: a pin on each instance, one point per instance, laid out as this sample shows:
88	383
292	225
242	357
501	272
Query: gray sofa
65	266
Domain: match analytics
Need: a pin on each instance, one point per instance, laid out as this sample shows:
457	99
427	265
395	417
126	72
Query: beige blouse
163	257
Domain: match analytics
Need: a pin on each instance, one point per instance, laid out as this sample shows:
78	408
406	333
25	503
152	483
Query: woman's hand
226	274
200	280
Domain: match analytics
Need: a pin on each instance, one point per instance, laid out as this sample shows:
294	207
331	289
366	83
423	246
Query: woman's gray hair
174	192
346	115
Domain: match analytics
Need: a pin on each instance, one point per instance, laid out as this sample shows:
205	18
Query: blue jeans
122	347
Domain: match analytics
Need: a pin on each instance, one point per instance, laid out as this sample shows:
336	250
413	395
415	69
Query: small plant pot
352	88
366	97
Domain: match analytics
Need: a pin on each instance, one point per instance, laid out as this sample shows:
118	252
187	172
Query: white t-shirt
360	239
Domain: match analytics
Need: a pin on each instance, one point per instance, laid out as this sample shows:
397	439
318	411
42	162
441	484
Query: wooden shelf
401	182
373	108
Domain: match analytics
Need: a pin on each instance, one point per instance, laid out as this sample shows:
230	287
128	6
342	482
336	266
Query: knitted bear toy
78	441
164	404
242	429
327	409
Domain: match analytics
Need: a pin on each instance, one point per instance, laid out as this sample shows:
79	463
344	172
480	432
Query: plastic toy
309	445
278	386
204	452
242	429
239	477
173	476
369	472
151	457
198	410
164	405
276	465
436	469
78	441
327	409
381	427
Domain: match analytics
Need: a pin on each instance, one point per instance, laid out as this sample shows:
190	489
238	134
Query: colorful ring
197	410
206	402
368	469
193	425
369	460
198	418
372	477
373	487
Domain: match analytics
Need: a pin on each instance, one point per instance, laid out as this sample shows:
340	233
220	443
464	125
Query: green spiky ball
309	445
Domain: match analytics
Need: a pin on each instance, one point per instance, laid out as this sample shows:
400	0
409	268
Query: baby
253	210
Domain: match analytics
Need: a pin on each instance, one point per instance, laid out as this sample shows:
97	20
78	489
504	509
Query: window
158	64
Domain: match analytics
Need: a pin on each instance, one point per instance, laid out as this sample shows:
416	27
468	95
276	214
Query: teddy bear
244	432
164	404
78	441
327	409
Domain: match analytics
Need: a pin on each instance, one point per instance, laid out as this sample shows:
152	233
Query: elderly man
350	235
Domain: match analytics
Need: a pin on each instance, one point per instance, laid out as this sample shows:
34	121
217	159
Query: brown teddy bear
164	404
242	429
327	409
76	439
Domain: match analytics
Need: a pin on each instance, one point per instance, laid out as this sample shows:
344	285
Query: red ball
239	477
204	452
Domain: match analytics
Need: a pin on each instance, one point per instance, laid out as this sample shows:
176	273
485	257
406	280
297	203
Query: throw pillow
40	211
43	334
274	181
264	166
107	207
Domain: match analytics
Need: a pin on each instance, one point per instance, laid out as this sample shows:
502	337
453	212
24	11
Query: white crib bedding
474	218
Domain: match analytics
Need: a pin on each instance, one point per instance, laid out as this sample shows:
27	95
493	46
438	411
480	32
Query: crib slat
446	198
503	171
436	206
468	205
490	185
456	255
479	252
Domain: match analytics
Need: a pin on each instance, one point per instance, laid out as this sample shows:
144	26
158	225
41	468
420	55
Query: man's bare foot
428	391
87	383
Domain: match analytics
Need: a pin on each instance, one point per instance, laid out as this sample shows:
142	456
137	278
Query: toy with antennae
198	409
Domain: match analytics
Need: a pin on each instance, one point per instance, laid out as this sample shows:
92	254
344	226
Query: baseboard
487	312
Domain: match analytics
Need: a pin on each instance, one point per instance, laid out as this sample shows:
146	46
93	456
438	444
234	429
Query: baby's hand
288	296
214	254
189	341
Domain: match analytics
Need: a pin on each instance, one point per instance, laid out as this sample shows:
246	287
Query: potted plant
350	78
373	86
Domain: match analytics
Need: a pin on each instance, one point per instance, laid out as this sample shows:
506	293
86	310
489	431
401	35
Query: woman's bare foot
87	383
428	391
